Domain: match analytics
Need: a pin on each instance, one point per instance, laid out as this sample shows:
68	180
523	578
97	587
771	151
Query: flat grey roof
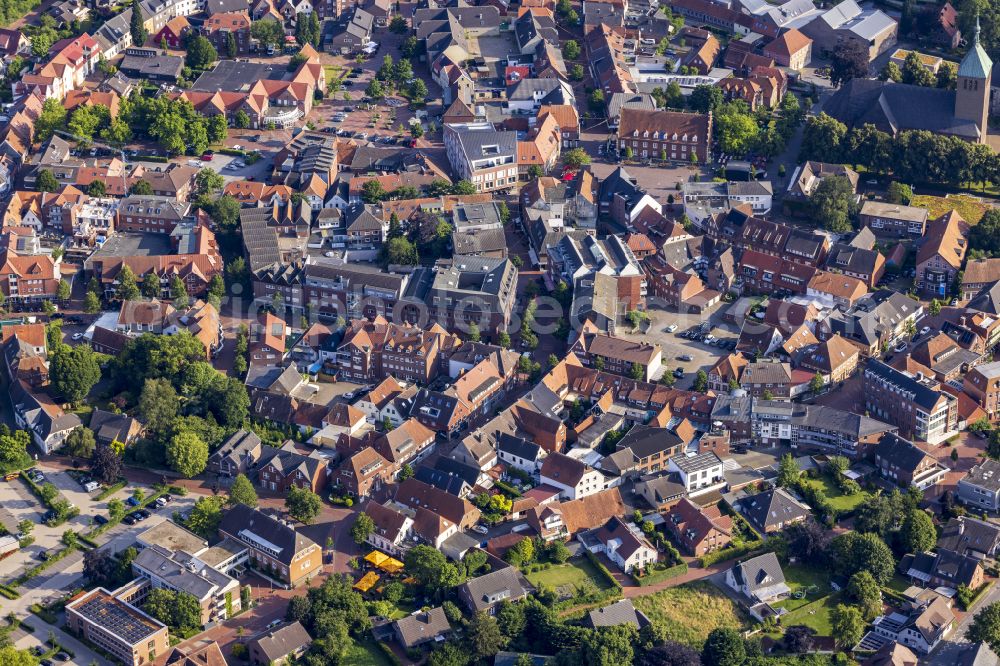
135	244
238	76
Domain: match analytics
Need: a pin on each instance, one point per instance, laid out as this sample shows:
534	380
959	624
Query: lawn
689	612
365	653
968	207
815	584
815	614
838	500
564	578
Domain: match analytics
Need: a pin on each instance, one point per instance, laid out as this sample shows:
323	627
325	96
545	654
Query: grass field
564	577
689	612
838	500
968	207
815	614
816	583
365	653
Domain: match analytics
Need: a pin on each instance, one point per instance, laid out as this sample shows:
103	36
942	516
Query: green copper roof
976	64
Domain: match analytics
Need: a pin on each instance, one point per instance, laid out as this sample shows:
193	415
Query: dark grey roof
987	300
922	394
984	475
645	441
478	241
771	507
759	572
490	589
966	535
259	240
248	525
848	258
899	451
484	143
282	641
151	63
894	107
238	446
441	480
422	626
620	612
516	446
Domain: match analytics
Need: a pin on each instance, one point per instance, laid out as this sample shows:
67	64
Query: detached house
282	469
761	581
699	530
623	546
906	464
573	478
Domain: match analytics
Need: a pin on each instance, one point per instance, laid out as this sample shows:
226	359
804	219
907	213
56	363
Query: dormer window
674	137
694	139
635	132
645	134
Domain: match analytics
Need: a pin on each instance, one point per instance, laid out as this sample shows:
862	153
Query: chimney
961	321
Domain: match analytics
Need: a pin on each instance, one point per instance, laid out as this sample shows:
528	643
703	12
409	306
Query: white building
700	473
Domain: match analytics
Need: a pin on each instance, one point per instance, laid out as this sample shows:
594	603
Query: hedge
111	490
151	158
977	594
660	575
8	592
232	151
44	613
728	553
37	490
389	654
507	488
39	568
608	576
101	529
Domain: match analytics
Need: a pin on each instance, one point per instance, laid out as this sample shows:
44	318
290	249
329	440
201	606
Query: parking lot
702	356
19	503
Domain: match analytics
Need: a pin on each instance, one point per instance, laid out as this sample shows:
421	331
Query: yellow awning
367	582
391	565
376	557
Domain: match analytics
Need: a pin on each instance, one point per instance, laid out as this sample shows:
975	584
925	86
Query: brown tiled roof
562	468
788	43
981	270
838	286
664	122
593	510
945	237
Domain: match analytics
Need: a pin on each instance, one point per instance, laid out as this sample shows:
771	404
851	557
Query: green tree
521	553
899	193
866	594
849	61
97	189
91	303
302	504
503	339
200	53
432	570
701	382
106	464
398	25
474	334
848	625
178	293
418	90
375	89
484	635
136	27
242	491
158	406
208	181
816	384
596	100
400	251
463	187
724	647
705	98
736	132
362	528
127	289
576	72
372	192
142	187
822	138
217	128
241	120
73	371
46	182
915	73
788	472
160	604
206	516
571	50
853	552
52	118
81	442
62	291
186	611
917	534
576	158
986	626
231	48
187	454
833	205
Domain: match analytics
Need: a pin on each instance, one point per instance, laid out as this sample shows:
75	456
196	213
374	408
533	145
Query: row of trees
913	156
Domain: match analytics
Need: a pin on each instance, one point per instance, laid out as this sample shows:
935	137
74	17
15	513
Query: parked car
77	336
679	373
925	330
100	520
685	357
671	328
131	501
130	519
480	529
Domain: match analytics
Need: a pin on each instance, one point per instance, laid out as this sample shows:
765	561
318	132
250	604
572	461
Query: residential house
393	528
280	645
699	530
237	455
941	254
700	473
627	549
906	464
772	510
966	535
760	580
895	219
980	487
921	628
573	478
485	593
110	428
617	355
945	568
790	49
422	627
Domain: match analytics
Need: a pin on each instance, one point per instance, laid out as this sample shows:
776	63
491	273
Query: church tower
972	100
